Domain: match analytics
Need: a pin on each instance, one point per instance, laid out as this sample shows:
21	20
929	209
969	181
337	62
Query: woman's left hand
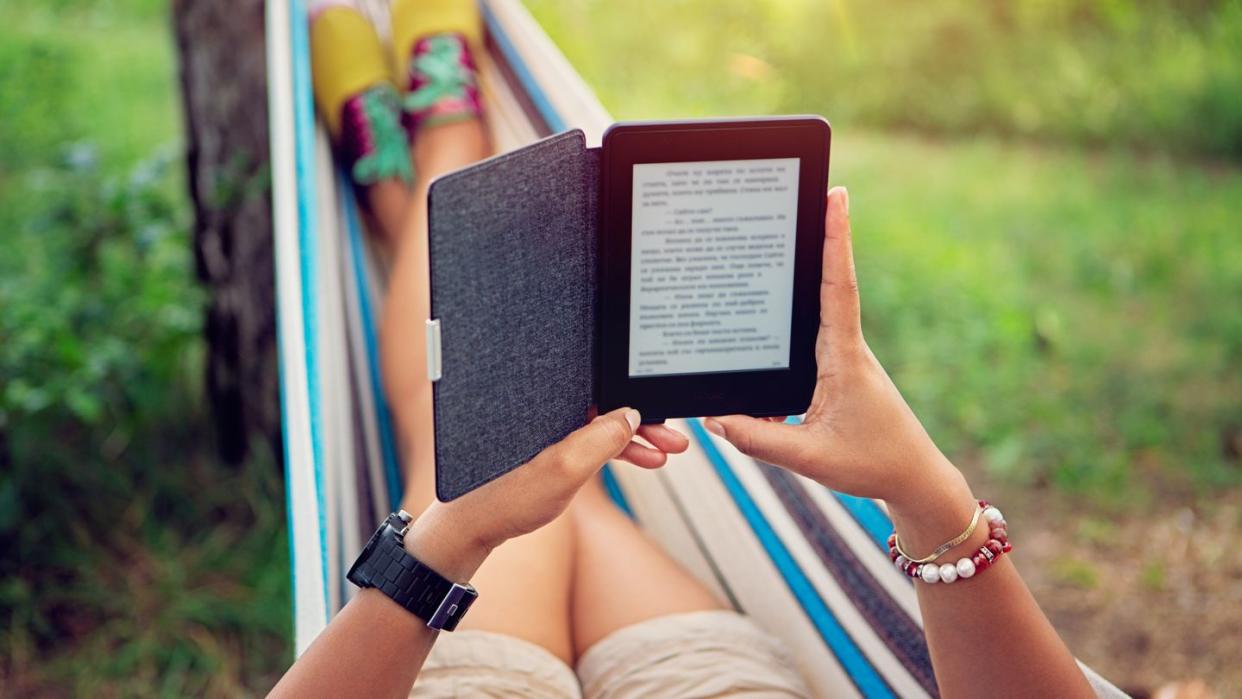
664	439
454	537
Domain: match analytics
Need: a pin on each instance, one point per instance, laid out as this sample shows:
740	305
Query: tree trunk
224	92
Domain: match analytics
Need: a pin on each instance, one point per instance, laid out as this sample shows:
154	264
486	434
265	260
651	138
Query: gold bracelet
946	546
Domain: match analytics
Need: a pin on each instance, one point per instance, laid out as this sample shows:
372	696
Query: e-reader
711	239
674	270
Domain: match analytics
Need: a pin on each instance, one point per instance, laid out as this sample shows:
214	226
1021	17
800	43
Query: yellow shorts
698	654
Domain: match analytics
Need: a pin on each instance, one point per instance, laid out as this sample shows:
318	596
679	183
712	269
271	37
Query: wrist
933	511
444	545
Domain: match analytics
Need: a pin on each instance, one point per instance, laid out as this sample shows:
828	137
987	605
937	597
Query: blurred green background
133	562
1047	203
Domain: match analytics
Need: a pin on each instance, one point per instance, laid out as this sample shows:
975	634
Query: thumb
586	449
838	301
773	442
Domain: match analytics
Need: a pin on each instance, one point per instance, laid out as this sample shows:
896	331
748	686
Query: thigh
524	589
407	304
524	586
622	577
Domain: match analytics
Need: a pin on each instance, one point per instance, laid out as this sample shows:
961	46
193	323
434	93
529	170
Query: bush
101	312
133	561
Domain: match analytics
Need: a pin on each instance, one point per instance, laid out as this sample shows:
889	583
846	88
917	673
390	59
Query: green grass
1075	573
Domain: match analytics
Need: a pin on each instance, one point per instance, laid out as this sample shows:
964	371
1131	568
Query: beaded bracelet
996	546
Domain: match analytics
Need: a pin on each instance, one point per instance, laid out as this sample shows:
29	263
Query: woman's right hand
858	436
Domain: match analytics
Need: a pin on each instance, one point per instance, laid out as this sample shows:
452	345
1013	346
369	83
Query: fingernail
632	417
714	427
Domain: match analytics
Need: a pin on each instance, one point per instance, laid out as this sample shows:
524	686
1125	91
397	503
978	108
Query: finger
838	290
664	438
587	448
642	456
773	442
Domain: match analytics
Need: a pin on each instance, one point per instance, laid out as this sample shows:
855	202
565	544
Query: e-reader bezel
763	392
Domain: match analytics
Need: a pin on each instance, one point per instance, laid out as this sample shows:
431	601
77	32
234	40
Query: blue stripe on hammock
388	449
556	124
304	139
614	490
869	516
873	520
860	670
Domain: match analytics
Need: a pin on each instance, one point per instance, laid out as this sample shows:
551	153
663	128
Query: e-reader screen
712	266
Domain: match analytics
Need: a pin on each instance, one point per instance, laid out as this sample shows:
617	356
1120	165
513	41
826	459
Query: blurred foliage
134	563
1159	74
71	70
1061	317
99	306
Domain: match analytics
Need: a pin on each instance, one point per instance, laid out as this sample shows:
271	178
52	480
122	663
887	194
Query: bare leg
621	577
388	209
524	586
403	343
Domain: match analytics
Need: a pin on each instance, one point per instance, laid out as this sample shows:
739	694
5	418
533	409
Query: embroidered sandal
356	97
442	82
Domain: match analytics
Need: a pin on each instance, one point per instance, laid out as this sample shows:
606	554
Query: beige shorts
699	654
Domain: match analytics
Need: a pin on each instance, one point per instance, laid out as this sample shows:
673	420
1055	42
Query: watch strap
411	584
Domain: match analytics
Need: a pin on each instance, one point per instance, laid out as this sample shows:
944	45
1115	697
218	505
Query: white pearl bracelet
966	566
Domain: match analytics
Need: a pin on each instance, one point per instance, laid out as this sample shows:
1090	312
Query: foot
355	94
442	82
372	143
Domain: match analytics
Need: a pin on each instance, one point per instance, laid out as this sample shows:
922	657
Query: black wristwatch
386	566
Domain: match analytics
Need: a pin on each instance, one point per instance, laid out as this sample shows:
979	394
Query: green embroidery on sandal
388	155
442	69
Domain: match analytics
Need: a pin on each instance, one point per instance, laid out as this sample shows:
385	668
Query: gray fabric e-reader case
512	247
515	327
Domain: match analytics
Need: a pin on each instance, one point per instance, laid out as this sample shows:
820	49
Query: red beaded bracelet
996	546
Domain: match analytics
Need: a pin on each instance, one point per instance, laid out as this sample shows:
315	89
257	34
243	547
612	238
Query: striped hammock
807	563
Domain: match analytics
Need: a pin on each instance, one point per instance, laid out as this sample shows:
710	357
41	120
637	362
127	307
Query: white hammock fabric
806	563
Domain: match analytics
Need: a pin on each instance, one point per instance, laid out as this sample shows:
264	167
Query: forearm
987	635
373	647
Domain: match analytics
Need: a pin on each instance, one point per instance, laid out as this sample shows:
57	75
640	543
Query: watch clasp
400	521
453	607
